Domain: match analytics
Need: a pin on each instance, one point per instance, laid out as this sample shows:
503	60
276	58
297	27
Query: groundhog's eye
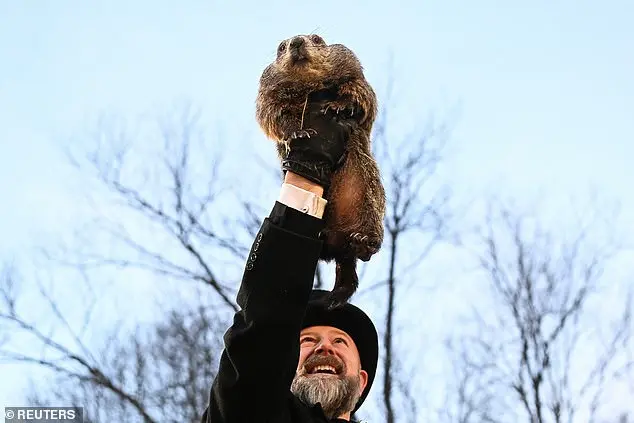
317	39
281	47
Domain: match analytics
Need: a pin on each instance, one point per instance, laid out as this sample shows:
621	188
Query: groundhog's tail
346	282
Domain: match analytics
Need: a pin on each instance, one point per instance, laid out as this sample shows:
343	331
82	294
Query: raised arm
261	350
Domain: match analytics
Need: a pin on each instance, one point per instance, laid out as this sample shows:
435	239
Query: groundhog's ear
316	39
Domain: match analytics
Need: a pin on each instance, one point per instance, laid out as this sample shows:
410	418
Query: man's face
329	371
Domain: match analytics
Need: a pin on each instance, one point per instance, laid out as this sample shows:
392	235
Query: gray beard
337	395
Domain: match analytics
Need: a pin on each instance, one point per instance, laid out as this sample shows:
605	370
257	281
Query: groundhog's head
308	59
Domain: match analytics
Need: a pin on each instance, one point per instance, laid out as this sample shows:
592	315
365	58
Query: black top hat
354	322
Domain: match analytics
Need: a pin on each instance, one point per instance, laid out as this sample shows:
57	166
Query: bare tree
163	202
418	214
158	373
541	349
156	200
167	371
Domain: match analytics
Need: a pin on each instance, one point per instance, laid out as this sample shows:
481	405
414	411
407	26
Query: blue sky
543	90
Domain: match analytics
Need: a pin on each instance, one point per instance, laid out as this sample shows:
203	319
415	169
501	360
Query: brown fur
356	197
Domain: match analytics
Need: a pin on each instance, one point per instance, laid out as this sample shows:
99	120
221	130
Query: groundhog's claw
303	133
339	109
364	246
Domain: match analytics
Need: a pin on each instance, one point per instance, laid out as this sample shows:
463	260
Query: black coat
261	350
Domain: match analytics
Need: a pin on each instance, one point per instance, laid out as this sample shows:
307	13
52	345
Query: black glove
317	150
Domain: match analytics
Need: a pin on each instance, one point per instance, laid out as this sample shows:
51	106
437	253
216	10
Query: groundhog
305	70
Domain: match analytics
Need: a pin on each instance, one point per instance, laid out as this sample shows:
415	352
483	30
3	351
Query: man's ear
363	376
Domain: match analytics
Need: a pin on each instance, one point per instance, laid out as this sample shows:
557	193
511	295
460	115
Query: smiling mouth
323	369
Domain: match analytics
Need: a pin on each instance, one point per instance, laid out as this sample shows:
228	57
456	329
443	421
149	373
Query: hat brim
352	320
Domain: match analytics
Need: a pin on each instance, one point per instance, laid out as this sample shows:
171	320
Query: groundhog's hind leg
355	219
346	281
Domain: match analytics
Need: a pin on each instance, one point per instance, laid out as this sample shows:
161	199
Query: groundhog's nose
296	43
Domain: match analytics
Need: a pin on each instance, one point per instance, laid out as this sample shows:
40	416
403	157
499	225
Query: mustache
323	360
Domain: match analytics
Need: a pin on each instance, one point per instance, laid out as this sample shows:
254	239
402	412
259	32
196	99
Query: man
287	358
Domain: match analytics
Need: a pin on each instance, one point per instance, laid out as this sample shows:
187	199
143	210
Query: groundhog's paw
364	246
303	133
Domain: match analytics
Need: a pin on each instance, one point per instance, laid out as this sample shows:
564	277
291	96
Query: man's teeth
329	369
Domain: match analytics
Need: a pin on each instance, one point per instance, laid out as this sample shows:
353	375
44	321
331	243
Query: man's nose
324	347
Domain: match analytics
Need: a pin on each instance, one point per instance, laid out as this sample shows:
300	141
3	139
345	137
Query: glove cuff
318	173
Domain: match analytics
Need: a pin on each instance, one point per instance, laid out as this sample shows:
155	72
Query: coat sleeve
261	350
